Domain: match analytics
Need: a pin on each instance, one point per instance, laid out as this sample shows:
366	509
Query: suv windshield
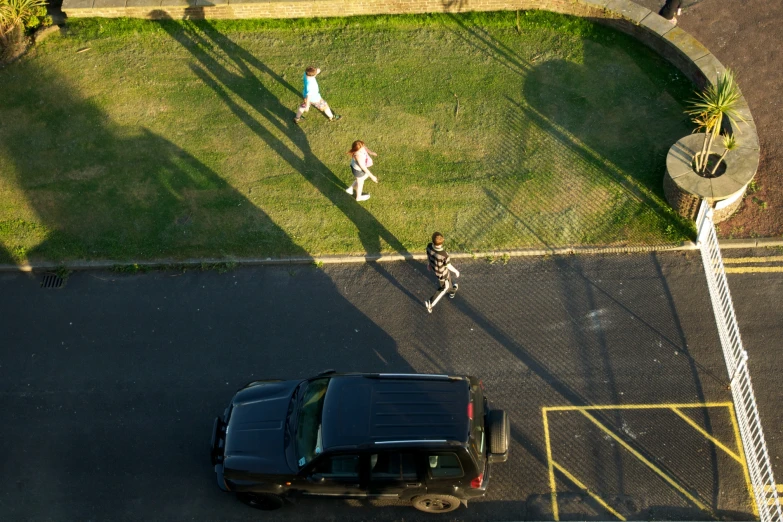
308	430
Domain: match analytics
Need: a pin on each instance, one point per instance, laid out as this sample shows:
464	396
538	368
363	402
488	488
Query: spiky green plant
15	14
716	101
729	143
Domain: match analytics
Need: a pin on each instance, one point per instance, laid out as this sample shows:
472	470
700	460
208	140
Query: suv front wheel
436	503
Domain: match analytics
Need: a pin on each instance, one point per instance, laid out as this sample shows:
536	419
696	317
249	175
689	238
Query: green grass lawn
128	139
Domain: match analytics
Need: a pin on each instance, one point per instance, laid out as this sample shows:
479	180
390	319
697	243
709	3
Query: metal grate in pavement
52	281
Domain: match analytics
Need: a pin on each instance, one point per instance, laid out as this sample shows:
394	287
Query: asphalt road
108	386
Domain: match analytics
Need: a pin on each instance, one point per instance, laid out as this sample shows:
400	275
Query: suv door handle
413	485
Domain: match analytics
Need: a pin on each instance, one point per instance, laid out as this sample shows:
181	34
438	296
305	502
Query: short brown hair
311	71
437	239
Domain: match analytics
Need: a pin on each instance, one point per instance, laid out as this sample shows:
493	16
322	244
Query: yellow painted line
552	485
741	451
768	489
649	464
753	269
738	260
587	490
663	406
708	436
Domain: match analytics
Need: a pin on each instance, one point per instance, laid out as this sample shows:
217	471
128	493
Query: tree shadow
140	195
562	123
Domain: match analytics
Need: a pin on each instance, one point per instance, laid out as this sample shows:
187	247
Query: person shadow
199	37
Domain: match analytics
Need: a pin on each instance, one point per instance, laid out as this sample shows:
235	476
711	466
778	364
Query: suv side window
444	465
339	467
392	466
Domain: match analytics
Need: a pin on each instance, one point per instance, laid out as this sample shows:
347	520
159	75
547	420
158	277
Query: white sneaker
428	305
363	197
349	190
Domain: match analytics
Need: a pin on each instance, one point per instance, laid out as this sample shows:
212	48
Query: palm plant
729	143
717	101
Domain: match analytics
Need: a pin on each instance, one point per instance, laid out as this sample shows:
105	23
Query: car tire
497	422
436	503
262	501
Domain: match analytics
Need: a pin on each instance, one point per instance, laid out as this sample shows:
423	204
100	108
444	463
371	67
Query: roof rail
410	441
414	376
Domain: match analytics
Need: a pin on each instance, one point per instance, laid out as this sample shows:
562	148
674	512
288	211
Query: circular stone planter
684	188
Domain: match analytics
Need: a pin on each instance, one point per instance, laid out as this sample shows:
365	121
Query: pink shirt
363	157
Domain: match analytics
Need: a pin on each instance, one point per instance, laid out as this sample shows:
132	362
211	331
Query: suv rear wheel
262	501
436	503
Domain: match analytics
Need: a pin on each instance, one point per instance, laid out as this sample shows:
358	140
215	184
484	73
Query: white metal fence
756	454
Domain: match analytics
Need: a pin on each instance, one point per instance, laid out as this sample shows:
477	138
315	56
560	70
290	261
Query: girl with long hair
360	163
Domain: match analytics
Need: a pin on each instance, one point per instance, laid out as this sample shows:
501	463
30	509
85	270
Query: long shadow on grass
101	191
481	40
198	38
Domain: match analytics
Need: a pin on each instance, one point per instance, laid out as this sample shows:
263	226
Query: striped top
439	260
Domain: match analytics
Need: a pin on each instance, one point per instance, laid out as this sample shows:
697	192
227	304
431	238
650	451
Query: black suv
427	439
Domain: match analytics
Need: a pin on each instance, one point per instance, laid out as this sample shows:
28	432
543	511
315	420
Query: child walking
312	96
360	163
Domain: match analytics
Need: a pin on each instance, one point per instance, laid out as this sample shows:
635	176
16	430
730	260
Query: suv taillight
470	410
476	482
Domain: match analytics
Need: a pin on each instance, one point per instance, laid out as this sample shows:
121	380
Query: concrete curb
380	258
306	260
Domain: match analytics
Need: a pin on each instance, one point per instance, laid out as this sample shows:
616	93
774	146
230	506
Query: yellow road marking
739	455
753	269
664	406
550	461
768	489
741	451
649	464
708	436
737	260
587	490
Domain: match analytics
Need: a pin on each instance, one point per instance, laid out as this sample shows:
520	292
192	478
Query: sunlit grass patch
175	139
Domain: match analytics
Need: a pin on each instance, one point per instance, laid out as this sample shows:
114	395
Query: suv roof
383	409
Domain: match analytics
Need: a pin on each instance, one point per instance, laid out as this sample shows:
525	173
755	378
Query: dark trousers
669	9
442	285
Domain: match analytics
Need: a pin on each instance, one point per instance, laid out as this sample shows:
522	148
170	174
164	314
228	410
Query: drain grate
52	281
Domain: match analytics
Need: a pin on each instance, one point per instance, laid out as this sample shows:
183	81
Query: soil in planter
711	161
